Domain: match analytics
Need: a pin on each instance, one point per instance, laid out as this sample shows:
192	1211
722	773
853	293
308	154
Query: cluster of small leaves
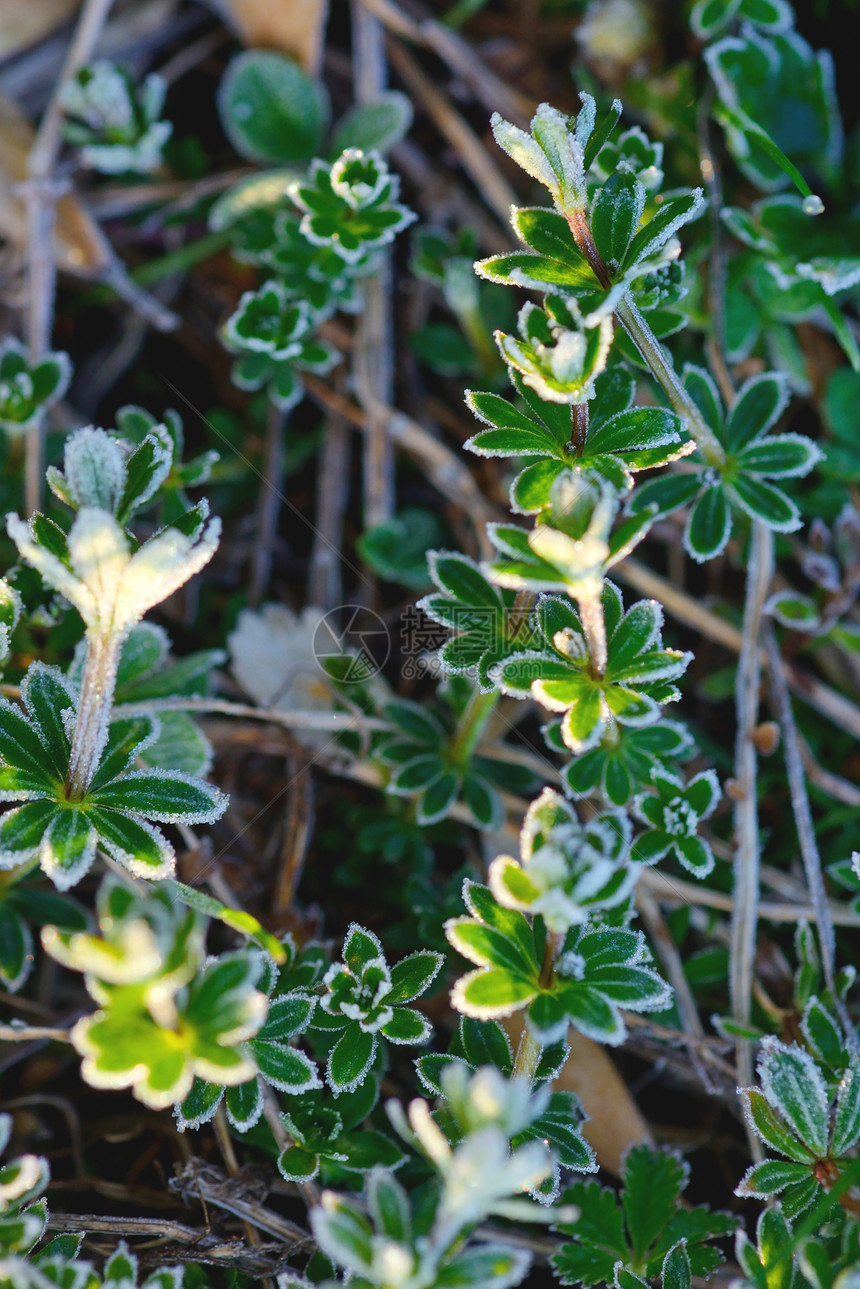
120	807
806	1109
743	480
567	869
629	1239
365	998
24	1221
637	681
327	1140
329	231
554	1118
166	1012
277	1062
114	121
560	154
427	761
620	439
584	978
672	814
485	1152
28	389
23	1213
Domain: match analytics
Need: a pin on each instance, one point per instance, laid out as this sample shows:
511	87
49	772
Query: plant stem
653	353
475	716
579	427
94	709
528	1056
594	626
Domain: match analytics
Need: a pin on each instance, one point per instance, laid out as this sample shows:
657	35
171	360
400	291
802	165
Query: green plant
113	121
639	407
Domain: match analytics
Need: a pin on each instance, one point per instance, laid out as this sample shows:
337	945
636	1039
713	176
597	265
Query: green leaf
485	1043
635	429
407	1027
793	1085
48	697
270	109
438	798
412	976
846	1119
667	492
538	272
676	1267
350	1059
284	1067
373	127
22	830
771	1128
616	214
126	738
68	847
244	1104
16	948
297	1164
548	232
781	456
237	919
488	1266
200	1104
765	502
672	215
20	745
653	1183
491	992
757	407
167	796
709	525
141	848
770	1177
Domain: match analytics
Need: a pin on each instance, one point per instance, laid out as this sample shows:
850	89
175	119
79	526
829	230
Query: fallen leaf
294	27
25	22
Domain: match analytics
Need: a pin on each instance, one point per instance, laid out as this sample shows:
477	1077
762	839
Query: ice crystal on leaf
95	567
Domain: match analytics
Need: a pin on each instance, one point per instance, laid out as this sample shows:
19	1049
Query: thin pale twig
29	1033
477	162
682	606
268	503
445	470
747	843
325	580
806	830
41	194
495	94
373	353
674	890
